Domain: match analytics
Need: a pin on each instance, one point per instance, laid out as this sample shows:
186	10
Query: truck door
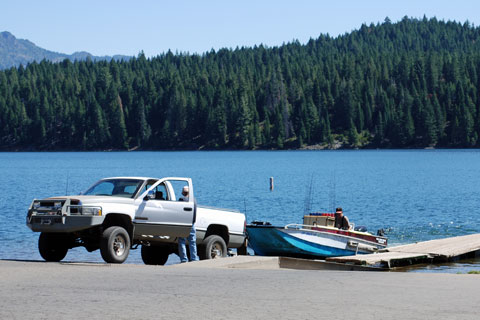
165	213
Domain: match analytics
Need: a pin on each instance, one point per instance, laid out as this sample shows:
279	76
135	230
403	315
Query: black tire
242	251
53	247
213	247
155	255
115	245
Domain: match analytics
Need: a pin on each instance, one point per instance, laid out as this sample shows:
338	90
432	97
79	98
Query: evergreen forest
410	84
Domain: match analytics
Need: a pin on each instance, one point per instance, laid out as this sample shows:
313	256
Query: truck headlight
91	211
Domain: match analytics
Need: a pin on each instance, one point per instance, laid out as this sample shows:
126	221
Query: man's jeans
192	245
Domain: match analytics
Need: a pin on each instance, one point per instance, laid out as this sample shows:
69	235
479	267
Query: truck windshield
126	188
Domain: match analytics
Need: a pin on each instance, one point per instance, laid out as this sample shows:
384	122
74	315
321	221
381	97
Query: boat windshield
126	188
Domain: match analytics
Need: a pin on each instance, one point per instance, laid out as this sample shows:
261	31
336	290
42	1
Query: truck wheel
243	251
214	247
115	245
53	247
155	255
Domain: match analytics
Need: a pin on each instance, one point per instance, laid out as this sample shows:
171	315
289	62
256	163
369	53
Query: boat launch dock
433	251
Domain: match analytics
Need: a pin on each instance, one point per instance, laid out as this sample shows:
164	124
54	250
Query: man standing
192	237
341	221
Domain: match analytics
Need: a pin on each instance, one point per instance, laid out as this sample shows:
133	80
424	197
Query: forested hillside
409	84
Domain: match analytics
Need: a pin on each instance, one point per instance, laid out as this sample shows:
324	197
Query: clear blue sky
106	27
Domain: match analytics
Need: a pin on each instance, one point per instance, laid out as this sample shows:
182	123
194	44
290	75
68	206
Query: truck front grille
42	220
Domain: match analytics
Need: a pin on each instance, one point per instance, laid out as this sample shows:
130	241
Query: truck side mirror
150	195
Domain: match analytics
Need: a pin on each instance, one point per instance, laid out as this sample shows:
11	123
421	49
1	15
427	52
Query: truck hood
86	200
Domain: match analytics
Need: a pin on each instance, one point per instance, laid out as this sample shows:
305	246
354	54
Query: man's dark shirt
342	223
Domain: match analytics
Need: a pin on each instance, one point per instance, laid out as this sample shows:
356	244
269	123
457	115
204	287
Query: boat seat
159	195
360	228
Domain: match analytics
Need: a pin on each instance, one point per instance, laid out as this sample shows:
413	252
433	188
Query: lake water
414	195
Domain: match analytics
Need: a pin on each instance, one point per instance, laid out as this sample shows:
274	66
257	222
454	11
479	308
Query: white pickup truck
119	214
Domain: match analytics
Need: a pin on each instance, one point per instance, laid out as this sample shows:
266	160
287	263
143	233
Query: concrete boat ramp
242	289
433	251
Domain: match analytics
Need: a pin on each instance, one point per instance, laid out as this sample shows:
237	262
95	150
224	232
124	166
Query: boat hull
305	243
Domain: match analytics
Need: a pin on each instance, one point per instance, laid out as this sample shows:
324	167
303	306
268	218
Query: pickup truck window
149	184
115	187
161	192
177	186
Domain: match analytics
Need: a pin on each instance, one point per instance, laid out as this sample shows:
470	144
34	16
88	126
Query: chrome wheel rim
216	251
119	245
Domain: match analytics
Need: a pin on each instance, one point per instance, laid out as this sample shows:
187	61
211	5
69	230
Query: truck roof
144	178
138	178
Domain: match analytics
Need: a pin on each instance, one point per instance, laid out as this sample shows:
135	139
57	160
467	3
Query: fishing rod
308	196
332	193
245	206
66	187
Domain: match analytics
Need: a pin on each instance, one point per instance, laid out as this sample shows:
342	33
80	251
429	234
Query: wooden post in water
271	183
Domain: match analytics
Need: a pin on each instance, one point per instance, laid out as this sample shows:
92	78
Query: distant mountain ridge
14	52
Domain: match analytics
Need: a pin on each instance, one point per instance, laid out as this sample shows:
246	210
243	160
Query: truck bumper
236	240
63	223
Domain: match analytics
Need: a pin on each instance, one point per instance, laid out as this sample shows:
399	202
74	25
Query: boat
316	238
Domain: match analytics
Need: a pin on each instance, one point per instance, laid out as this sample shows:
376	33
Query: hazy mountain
14	52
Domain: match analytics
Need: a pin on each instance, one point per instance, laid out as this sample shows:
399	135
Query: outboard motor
380	232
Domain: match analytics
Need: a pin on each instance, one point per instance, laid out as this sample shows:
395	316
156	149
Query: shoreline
305	148
37	290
